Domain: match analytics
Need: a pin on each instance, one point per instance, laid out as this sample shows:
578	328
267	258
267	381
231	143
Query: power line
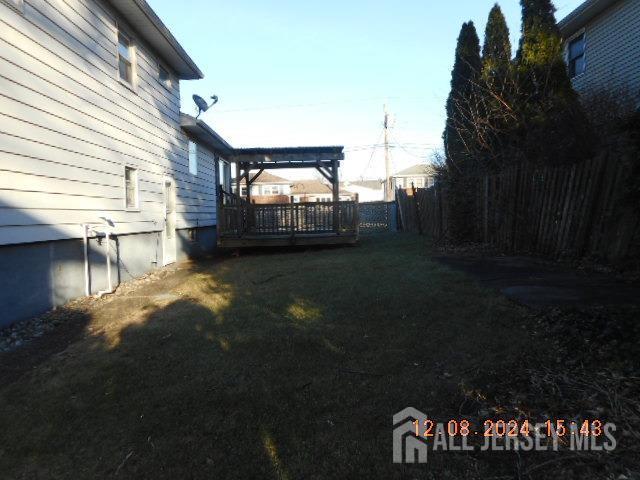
373	152
302	105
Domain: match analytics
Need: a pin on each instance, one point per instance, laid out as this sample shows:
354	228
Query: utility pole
388	188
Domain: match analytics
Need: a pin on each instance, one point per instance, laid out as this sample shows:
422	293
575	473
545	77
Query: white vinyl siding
612	51
68	127
17	4
164	77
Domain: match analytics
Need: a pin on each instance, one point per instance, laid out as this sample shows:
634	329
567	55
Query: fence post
400	207
356	214
417	207
293	223
485	203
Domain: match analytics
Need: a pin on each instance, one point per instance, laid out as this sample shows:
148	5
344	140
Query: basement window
131	188
577	64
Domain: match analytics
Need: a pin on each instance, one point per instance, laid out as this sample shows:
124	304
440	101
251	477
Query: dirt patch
27	344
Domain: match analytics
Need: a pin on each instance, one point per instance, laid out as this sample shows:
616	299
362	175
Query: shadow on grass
264	366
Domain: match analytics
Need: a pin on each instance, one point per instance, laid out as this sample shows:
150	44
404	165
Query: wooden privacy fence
424	211
568	211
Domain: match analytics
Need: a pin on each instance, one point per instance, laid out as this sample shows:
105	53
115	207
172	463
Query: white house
602	47
93	145
366	190
268	185
420	176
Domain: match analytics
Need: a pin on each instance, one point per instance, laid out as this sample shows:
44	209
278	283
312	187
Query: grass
281	365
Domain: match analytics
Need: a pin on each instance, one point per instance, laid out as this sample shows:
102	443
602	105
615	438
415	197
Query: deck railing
239	218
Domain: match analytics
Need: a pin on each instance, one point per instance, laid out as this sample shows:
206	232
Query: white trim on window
131	182
567	52
126	64
193	158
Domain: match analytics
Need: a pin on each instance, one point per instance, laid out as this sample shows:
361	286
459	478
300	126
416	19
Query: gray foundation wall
37	277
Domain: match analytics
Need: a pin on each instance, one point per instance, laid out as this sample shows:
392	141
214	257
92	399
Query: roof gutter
582	15
202	133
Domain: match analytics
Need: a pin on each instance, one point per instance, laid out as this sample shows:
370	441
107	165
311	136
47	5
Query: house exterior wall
419	181
612	51
37	277
366	194
68	128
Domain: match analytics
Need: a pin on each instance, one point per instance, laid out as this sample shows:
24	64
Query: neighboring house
267	185
602	45
367	190
92	140
315	191
420	176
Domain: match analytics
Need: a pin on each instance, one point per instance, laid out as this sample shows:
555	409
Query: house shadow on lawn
183	390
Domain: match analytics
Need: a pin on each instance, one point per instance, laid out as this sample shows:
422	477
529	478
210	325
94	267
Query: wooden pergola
324	159
243	223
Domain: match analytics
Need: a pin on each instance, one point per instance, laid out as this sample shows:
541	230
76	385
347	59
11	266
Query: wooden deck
249	225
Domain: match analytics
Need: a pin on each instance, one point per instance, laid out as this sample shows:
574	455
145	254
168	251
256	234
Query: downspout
107	255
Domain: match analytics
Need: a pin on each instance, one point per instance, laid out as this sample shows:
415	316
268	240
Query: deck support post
239	199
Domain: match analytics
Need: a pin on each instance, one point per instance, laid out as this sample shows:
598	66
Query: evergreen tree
495	125
553	126
460	163
541	66
496	52
464	77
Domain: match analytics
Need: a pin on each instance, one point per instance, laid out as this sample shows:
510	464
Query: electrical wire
373	152
304	105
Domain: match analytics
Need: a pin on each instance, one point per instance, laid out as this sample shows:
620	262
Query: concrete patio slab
538	284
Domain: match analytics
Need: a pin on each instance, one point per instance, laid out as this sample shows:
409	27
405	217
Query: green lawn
282	365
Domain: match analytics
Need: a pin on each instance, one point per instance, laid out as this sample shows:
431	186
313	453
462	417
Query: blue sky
292	73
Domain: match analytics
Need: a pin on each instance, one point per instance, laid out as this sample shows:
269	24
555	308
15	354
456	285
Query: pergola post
336	195
247	182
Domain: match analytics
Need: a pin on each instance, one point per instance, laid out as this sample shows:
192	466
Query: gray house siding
612	51
68	128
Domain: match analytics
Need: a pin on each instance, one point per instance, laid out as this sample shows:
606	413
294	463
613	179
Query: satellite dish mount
202	105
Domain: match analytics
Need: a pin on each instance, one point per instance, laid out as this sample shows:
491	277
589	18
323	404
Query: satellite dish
201	103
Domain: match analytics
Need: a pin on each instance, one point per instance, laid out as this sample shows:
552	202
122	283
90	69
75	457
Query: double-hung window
193	158
125	58
576	56
131	188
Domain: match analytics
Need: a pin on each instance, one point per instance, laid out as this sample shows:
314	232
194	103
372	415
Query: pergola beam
283	165
255	177
303	158
325	174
